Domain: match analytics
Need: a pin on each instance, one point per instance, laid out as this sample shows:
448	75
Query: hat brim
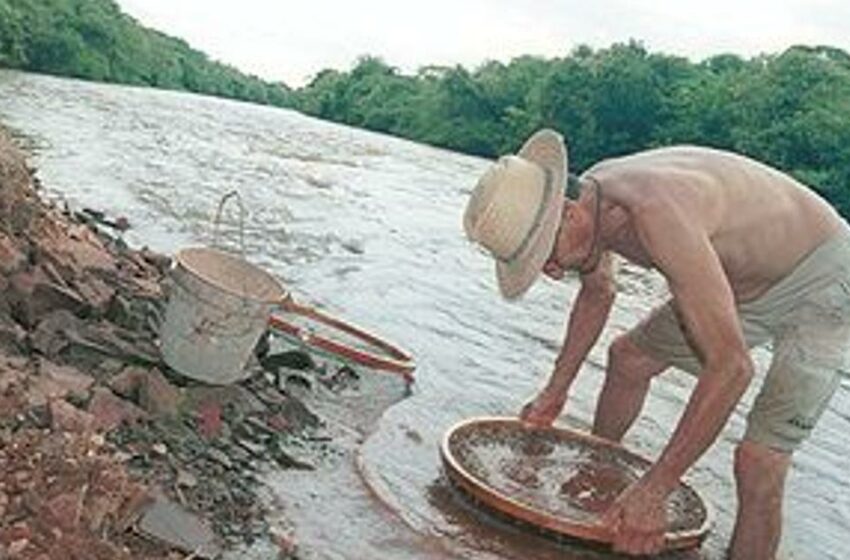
545	148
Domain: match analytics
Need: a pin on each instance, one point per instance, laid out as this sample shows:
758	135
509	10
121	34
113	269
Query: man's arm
681	249
683	252
587	317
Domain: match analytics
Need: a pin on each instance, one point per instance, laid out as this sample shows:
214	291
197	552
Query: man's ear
569	209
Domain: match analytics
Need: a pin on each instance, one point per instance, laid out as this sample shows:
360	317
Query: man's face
554	267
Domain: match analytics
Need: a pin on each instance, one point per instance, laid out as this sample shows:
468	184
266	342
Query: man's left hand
638	519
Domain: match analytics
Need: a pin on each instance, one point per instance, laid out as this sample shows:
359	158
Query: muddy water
369	228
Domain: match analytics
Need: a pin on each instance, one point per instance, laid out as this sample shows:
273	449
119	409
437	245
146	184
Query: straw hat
515	209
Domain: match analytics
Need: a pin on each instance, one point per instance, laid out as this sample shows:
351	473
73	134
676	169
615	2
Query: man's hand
545	407
638	519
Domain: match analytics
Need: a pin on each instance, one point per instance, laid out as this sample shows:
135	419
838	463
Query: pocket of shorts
835	301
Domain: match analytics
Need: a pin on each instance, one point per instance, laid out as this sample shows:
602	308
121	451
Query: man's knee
628	362
760	472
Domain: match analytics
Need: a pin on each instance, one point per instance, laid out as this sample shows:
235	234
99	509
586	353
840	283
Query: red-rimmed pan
557	479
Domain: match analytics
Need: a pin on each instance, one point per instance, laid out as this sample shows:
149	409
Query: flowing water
369	228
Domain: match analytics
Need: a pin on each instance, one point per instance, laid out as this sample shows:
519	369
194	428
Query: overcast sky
293	40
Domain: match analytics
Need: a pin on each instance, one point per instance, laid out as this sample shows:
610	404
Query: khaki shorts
806	316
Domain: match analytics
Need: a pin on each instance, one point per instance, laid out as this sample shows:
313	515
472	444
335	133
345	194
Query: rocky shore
105	453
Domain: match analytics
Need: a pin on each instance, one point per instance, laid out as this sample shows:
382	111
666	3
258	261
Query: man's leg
629	373
760	474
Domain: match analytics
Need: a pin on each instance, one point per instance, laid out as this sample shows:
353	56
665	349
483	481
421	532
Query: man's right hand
544	408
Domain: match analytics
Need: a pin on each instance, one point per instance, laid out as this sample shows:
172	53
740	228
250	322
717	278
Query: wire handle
232	194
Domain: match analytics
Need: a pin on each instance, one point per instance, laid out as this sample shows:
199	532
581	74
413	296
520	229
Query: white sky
293	40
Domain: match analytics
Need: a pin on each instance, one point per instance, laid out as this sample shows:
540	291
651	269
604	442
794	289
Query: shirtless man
750	256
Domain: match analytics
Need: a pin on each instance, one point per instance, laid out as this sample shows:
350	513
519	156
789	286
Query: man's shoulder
662	171
659	161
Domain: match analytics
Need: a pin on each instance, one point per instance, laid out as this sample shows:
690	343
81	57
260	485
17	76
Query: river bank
104	451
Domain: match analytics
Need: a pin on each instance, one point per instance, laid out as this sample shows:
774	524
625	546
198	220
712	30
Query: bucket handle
232	194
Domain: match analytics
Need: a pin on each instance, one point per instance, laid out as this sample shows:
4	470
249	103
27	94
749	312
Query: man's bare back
759	221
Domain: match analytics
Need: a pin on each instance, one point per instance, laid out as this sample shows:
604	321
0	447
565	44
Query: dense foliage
791	110
93	39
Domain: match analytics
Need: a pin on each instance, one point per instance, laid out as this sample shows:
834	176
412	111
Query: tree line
789	109
95	40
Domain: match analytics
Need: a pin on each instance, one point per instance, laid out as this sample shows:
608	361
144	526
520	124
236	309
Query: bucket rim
181	262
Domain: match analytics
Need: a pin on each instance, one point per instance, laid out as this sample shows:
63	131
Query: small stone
67	417
96	293
11	258
65	510
209	419
172	524
73	381
128	382
159	397
160	449
255	449
220	457
17	547
111	411
286	544
97	511
186	479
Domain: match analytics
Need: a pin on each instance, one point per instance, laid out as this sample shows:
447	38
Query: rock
68	418
208	415
287	546
255	449
237	398
71	380
52	274
74	249
49	338
12	259
96	293
160	262
32	295
293	359
290	458
298	416
120	312
111	411
66	509
16	548
17	532
98	510
61	332
186	479
128	382
133	508
12	335
157	396
172	524
10	377
220	457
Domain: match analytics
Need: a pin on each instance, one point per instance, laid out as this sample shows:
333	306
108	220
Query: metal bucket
218	309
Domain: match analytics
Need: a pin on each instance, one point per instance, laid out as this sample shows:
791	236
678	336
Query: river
369	227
